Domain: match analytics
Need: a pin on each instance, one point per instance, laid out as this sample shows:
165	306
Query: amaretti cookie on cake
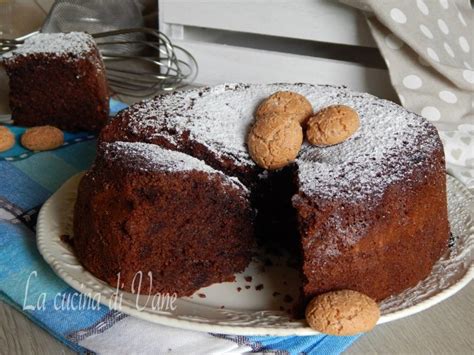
143	208
58	79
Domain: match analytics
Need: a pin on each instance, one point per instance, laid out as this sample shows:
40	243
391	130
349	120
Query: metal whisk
139	61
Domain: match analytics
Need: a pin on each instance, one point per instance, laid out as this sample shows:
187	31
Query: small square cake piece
58	79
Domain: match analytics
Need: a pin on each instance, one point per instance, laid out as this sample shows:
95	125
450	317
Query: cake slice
58	79
145	209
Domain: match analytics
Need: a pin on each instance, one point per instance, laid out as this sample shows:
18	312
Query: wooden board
316	20
224	63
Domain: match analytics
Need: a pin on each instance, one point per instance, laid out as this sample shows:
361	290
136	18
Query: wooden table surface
447	328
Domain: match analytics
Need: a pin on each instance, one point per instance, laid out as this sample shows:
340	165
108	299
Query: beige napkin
428	47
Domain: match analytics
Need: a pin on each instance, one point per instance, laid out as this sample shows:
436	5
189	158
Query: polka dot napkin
428	46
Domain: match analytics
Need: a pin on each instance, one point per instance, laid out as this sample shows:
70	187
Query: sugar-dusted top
151	157
389	145
72	44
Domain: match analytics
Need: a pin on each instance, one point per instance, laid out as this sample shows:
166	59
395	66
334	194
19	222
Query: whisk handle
7	44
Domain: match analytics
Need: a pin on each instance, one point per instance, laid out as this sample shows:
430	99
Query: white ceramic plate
257	302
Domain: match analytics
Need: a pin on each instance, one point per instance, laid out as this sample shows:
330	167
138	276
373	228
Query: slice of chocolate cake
58	79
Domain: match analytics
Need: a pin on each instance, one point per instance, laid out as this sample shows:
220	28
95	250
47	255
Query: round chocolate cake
173	191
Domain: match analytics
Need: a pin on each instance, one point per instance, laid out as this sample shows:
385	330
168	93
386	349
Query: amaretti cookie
286	103
7	139
42	138
343	312
274	141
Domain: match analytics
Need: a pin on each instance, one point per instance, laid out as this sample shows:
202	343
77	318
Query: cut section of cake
58	79
165	218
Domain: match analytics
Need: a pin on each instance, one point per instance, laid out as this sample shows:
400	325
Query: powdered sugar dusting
150	157
72	44
389	145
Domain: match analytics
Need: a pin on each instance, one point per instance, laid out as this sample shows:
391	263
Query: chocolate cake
58	79
181	223
369	214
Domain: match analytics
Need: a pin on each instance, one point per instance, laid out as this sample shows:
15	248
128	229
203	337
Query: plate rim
43	241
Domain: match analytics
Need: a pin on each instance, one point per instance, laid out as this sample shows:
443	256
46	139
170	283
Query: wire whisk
139	62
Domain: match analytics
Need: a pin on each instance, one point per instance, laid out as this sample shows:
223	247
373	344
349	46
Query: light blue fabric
27	180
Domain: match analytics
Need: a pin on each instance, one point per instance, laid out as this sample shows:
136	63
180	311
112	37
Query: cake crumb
451	240
247	287
248	278
66	238
239	289
287	299
276	294
259	287
202	295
